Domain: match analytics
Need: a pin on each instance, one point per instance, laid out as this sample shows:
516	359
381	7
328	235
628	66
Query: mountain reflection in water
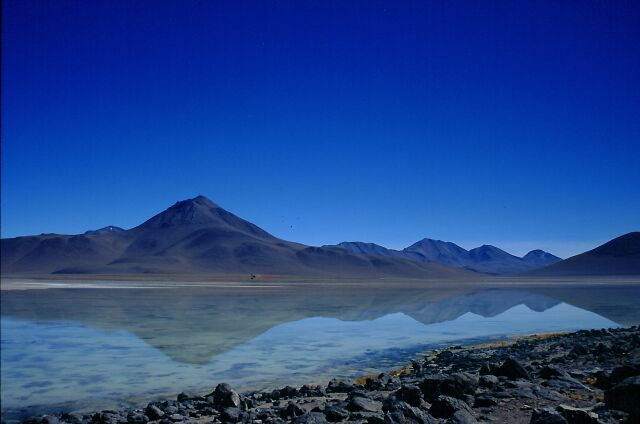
98	348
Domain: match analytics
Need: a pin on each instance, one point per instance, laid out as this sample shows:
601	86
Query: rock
291	410
578	415
137	418
513	370
462	417
552	371
546	416
484	401
625	396
459	384
456	385
410	394
623	372
335	413
311	390
360	404
431	386
189	396
177	417
446	406
488	381
488	369
339	386
402	413
311	418
225	397
289	392
230	415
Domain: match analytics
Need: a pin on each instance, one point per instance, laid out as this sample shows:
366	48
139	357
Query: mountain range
196	236
484	259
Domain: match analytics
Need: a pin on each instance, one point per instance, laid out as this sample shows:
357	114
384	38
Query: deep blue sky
514	123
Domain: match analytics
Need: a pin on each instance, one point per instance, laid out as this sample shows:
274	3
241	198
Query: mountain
620	256
440	251
491	260
197	236
540	258
367	249
105	230
485	259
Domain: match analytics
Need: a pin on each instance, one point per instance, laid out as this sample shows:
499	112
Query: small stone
578	415
462	417
335	413
230	414
488	381
546	416
311	418
360	404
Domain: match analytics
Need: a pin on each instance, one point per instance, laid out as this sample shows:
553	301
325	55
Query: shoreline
40	282
585	376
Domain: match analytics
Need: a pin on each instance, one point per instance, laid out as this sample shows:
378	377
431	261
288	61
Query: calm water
96	348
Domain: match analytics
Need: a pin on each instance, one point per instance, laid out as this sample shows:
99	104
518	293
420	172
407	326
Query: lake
89	346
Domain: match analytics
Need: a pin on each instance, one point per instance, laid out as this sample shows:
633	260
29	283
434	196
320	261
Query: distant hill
620	256
196	236
484	259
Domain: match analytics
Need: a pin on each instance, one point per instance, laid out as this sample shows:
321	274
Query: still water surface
85	349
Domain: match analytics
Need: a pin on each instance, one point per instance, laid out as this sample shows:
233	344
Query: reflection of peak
486	303
198	324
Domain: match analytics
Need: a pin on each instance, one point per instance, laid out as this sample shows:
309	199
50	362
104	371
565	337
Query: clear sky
514	123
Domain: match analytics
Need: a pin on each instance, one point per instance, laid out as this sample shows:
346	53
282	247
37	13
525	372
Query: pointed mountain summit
105	230
444	252
202	213
540	258
620	256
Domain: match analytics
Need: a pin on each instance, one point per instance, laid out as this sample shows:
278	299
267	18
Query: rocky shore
583	377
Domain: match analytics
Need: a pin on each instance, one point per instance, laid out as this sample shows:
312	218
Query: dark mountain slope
620	256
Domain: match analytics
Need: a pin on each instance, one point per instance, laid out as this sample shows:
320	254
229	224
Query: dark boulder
578	415
462	417
446	406
623	372
153	412
137	418
230	415
547	416
484	401
410	394
311	418
291	410
625	396
335	413
401	412
456	385
513	370
552	371
225	397
311	390
488	381
360	404
289	392
339	386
